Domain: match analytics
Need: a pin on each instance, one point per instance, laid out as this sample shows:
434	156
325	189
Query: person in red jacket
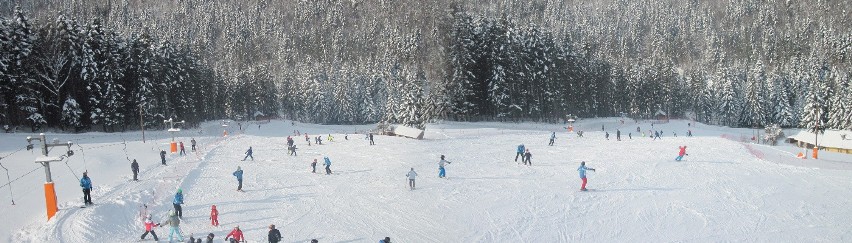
681	153
214	216
149	228
182	149
236	235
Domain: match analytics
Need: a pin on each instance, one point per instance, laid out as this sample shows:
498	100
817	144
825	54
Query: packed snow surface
726	189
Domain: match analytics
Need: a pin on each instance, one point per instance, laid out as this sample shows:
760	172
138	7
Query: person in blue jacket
327	164
520	153
177	202
86	184
239	175
248	154
582	171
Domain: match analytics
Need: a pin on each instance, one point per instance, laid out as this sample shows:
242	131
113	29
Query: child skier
520	152
163	156
192	142
527	157
582	171
441	172
681	153
307	139
239	175
314	166
327	165
135	168
552	138
149	228
236	235
86	184
174	226
182	149
411	175
177	202
214	216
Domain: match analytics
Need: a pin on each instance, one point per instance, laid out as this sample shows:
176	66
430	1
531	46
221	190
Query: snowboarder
327	164
552	138
520	152
442	173
86	184
371	140
274	234
163	156
617	135
178	200
248	154
182	149
239	175
681	153
386	240
411	175
149	228
314	166
582	169
527	157
135	168
192	143
174	226
214	216
236	235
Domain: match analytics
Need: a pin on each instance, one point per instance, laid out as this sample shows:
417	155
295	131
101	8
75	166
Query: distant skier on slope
327	164
174	226
520	152
372	142
248	154
617	135
314	166
182	149
178	200
214	216
606	135
235	236
135	168
552	138
442	173
307	139
411	175
163	156
149	228
274	235
582	169
86	184
192	142
527	158
330	138
239	175
681	153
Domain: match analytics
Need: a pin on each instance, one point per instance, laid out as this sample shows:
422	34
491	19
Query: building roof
831	138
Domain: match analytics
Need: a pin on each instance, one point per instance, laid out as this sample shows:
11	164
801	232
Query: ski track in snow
720	192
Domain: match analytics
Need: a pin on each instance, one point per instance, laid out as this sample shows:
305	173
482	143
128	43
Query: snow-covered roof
831	138
258	113
660	112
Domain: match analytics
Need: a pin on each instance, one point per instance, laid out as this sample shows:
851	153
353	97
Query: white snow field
724	190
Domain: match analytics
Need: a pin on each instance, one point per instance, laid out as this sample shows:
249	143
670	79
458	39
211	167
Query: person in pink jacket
681	153
149	228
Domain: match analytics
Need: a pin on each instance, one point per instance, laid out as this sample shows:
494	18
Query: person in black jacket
135	167
163	156
274	234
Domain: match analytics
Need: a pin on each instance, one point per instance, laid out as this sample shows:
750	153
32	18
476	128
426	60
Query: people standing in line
681	153
163	156
174	226
239	175
371	139
86	184
527	157
582	169
192	143
274	235
235	236
214	216
442	173
178	200
248	154
149	228
411	175
182	149
552	138
520	152
314	166
327	165
135	168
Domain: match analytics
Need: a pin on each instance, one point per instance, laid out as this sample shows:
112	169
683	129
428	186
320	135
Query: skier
582	170
86	184
330	138
552	138
580	134
327	164
174	226
289	141
210	238
192	142
527	157
248	154
177	202
637	129
630	135
182	149
371	139
681	153
602	127
236	235
319	140
657	135
617	135
274	234
520	152
411	175
314	166
606	135
214	216
149	228
292	150
163	156
689	133
346	136
386	240
307	139
135	168
441	172
239	175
